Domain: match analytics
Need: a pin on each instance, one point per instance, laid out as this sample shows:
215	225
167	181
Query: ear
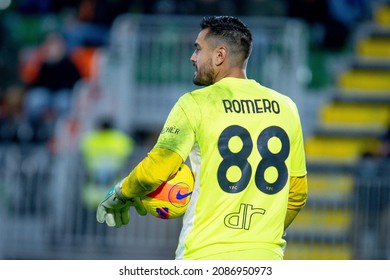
220	55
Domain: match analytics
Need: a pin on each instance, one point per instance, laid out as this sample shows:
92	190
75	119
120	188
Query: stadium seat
330	187
367	80
338	149
327	220
382	15
374	47
318	251
355	116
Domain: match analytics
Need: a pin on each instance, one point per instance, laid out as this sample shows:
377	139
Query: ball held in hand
170	200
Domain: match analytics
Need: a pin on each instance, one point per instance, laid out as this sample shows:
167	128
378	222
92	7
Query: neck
232	73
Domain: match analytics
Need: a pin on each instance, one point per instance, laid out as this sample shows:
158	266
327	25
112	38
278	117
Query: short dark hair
231	30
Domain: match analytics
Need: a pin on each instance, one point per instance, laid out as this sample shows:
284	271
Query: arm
296	199
156	168
159	166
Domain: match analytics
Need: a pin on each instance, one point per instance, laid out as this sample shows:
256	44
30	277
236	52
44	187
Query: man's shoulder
196	95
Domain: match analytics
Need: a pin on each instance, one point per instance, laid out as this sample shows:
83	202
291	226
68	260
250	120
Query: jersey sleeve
159	166
298	160
178	133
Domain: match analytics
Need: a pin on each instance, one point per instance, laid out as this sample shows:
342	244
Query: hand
115	208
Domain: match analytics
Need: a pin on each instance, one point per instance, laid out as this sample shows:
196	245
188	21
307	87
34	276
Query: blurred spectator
383	151
11	88
11	103
49	94
105	151
90	24
12	125
314	12
331	21
384	148
344	15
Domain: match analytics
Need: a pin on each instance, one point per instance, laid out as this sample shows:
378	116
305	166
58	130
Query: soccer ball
170	200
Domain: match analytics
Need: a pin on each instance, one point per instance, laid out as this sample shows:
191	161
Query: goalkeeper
245	145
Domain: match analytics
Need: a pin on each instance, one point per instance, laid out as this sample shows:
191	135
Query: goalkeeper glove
115	207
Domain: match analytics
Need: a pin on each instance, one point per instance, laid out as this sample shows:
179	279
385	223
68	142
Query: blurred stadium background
342	90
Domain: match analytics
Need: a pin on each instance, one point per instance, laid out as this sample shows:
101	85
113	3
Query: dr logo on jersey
243	218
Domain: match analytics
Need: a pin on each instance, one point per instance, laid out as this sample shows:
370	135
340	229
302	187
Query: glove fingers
101	214
110	219
125	215
137	203
118	218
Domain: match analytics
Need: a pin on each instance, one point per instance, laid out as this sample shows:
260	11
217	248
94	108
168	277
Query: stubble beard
204	76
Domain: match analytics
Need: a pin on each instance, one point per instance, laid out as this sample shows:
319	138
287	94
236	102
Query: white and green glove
115	208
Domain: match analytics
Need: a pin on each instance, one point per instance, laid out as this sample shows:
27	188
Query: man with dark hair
245	145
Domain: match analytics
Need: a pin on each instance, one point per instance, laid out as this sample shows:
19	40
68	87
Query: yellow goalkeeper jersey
244	141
